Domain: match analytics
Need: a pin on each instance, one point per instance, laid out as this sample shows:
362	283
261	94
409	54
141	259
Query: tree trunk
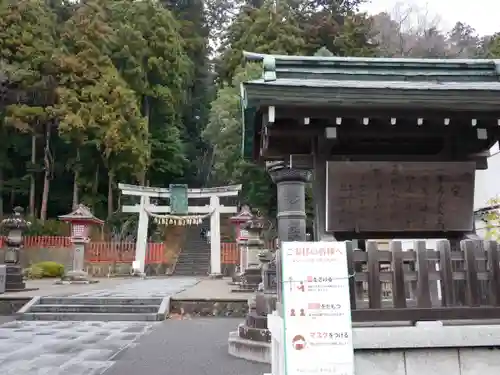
76	176
110	194
146	111
32	202
47	162
95	187
1	192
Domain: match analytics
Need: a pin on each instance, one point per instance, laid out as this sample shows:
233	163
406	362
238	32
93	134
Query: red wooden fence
110	252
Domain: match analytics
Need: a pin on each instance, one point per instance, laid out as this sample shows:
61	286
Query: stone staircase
101	309
194	258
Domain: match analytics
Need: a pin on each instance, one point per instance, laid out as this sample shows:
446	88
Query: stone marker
3	276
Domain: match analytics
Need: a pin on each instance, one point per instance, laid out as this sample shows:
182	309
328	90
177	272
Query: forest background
97	92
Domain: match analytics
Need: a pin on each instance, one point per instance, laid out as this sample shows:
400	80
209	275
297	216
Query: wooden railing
447	283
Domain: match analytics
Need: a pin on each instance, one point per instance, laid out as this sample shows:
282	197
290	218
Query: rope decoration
181	220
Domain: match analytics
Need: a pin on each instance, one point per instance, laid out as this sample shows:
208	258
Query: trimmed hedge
44	269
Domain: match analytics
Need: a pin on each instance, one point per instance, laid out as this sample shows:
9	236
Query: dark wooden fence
455	281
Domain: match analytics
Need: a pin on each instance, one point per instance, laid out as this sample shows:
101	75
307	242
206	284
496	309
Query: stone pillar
78	255
253	337
291	184
215	261
141	244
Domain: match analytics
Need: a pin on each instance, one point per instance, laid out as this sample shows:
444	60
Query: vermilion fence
109	252
122	252
229	253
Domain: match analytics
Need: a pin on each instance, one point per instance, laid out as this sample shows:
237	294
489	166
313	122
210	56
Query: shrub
33	272
49	269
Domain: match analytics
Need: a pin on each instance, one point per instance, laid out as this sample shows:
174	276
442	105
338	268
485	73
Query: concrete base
427	348
453	361
75	277
216	276
248	349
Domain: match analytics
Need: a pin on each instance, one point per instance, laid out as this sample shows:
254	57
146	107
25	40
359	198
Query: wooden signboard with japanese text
400	196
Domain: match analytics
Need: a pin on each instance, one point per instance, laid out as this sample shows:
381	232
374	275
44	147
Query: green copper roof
278	67
472	84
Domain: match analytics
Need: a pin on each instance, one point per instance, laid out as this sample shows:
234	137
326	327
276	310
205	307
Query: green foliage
33	273
224	132
268	29
98	92
492	220
45	269
47	228
110	88
288	28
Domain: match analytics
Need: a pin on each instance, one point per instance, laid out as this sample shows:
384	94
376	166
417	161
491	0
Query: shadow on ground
185	347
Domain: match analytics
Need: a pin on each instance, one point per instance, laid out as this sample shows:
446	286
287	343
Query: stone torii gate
145	208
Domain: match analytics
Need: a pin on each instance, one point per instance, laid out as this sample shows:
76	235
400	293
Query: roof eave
477	100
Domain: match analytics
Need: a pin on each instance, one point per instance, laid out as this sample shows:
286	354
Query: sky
480	14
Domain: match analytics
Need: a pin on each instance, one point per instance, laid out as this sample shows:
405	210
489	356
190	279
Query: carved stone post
250	340
291	184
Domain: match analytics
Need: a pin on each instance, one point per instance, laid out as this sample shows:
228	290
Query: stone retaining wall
428	348
209	308
10	305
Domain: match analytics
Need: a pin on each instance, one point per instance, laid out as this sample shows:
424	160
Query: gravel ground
185	347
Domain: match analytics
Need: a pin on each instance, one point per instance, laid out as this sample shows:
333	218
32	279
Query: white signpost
314	334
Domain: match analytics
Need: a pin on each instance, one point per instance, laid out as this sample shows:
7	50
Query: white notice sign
317	310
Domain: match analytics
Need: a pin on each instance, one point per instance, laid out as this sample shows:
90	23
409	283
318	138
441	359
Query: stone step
104	317
99	301
191	261
95	309
193	264
192	269
186	272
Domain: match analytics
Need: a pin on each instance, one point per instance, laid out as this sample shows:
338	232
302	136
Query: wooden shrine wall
397	197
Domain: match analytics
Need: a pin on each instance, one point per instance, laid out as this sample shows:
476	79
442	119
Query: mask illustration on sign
299	342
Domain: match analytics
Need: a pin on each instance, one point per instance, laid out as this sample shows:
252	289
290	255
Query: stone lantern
241	235
14	227
252	246
80	220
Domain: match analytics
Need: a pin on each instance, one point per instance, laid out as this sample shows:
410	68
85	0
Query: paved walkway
79	348
185	347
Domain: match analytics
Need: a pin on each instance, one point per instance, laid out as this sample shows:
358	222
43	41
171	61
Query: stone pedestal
14	278
252	339
77	275
15	226
251	275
